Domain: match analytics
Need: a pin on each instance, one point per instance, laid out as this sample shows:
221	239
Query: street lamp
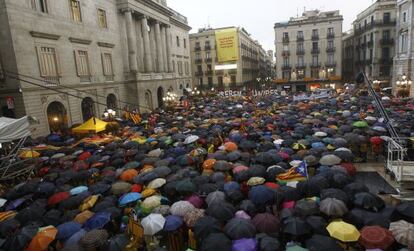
404	83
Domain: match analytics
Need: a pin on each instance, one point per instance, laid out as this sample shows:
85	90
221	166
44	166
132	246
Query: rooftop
311	16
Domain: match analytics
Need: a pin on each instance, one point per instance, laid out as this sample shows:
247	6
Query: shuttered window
107	66
48	64
82	65
75	9
102	18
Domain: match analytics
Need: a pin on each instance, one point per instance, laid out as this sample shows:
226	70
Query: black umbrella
52	217
28	214
8	226
222	211
354	188
318	224
335	193
249	207
205	226
216	242
310	188
406	209
361	218
19	240
290	193
118	242
339	180
238	228
268	243
295	226
322	243
368	201
306	207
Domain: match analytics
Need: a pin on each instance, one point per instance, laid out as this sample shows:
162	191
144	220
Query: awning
93	125
13	129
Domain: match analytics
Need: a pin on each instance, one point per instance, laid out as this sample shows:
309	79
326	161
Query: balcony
199	73
286	67
207	47
330	49
315	65
370	44
386	61
315	37
300	39
387	41
285	40
315	51
198	61
300	52
330	64
232	71
197	48
208	60
300	66
209	72
109	78
51	81
389	22
285	53
330	35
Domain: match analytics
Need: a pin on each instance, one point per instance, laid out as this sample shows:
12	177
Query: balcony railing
199	73
300	52
232	71
300	39
286	67
207	47
198	61
330	49
315	36
285	40
209	72
387	41
315	51
51	81
300	66
330	64
315	65
330	35
197	48
208	60
386	61
285	53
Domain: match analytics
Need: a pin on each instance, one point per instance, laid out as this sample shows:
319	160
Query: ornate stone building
84	56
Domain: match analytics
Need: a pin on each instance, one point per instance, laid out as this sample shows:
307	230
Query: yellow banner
227	45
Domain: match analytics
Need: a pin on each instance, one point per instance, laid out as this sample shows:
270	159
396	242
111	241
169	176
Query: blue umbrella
97	221
54	138
78	190
67	229
172	223
232	185
261	195
128	198
318	145
75	238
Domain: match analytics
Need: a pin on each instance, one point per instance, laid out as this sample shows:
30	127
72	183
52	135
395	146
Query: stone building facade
204	61
404	46
82	57
309	51
373	41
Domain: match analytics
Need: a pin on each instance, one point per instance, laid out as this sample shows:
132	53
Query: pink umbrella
242	215
196	201
239	169
288	204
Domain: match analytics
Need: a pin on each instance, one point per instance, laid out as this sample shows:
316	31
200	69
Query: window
185	43
208	55
314	45
386	35
220	80
371	37
285	35
301	61
372	20
365	23
48	63
187	68
199	69
107	66
300	34
200	81
371	54
315	60
387	17
75	10
285	61
330	31
102	18
197	55
173	65
82	65
210	82
404	17
331	59
386	53
403	42
40	5
197	45
285	47
300	46
330	44
286	75
301	74
209	67
233	79
178	41
180	67
314	32
314	73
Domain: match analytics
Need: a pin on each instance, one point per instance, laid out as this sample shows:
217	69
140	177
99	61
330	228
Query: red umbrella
350	168
266	223
84	155
271	185
57	198
376	237
80	165
376	140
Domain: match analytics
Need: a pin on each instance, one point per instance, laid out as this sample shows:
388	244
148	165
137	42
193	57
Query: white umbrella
157	183
58	156
343	149
180	208
403	232
370	118
379	129
2	202
155	153
330	160
320	134
153	223
190	139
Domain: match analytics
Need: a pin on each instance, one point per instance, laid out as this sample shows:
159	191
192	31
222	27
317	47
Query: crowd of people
237	174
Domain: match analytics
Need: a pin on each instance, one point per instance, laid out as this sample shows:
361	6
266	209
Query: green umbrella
360	124
296	248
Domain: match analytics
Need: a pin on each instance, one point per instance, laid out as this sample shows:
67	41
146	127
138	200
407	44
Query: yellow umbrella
151	202
89	202
148	192
254	181
27	154
343	231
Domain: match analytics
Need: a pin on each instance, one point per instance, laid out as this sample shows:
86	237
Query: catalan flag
295	173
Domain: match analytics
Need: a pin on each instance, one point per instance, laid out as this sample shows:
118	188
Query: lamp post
404	85
109	114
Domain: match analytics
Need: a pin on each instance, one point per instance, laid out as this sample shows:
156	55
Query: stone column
140	46
168	42
147	46
159	47
132	42
164	48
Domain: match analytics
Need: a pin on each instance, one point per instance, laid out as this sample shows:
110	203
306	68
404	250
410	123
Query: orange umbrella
42	239
27	154
209	164
129	175
82	217
230	146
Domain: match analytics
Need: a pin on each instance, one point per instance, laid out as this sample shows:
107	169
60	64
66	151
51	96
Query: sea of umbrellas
220	175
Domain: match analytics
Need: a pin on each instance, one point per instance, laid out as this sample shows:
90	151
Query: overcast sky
259	16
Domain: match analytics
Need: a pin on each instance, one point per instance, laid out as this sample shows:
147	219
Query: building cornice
308	21
80	40
44	35
107	45
180	24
